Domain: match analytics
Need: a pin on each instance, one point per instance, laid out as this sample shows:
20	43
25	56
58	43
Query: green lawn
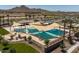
3	31
21	48
1	46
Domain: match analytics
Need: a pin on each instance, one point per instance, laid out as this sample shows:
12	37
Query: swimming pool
28	30
20	30
45	35
56	32
32	30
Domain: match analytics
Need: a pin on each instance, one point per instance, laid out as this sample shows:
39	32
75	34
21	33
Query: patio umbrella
16	24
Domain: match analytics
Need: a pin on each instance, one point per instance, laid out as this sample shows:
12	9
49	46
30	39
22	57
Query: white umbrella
16	24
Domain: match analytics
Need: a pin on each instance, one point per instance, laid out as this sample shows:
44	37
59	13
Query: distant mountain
24	9
27	9
20	9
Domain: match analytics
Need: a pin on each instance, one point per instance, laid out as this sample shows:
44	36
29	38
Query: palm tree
3	20
0	20
26	16
64	27
45	16
70	21
65	22
46	42
29	17
8	20
33	16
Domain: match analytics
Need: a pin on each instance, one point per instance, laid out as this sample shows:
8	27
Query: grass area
1	46
3	31
20	48
23	48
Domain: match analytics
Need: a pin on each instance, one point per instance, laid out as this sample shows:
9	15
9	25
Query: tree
1	38
5	50
6	47
70	28
5	43
25	38
26	16
62	46
0	21
65	22
70	40
29	39
46	42
68	21
8	20
77	34
33	16
3	20
29	17
45	16
13	50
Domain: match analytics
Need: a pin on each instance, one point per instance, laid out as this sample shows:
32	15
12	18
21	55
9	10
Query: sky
47	7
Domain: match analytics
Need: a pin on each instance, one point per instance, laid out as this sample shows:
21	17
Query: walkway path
74	48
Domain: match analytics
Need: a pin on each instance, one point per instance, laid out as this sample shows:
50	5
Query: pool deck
38	40
40	28
45	28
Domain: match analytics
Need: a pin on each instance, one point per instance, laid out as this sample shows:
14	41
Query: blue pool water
20	30
27	30
43	34
56	32
32	30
